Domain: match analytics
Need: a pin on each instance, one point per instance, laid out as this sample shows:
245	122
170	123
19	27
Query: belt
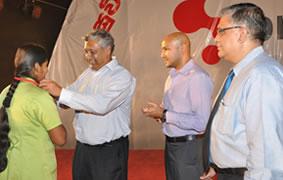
184	138
106	143
230	171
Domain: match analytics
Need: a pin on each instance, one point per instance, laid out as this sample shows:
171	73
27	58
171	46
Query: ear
183	48
108	50
36	67
243	34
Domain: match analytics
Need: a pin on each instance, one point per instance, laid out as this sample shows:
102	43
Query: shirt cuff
65	96
169	117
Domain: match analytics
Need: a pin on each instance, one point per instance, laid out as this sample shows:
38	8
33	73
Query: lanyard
27	80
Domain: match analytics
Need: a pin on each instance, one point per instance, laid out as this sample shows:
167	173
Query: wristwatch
163	117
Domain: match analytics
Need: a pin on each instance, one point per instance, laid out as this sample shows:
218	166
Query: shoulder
4	93
120	72
265	73
199	73
5	90
265	65
39	95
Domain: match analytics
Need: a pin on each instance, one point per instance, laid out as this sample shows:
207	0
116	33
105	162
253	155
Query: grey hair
249	15
104	38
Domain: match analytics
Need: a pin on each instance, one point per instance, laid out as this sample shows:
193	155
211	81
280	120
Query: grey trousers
183	160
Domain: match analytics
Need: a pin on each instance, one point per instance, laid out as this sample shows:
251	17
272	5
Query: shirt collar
247	60
110	65
186	69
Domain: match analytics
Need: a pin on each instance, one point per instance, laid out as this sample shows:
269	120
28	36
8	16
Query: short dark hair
104	37
249	15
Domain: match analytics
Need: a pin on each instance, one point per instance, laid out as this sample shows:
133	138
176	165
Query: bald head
179	38
176	50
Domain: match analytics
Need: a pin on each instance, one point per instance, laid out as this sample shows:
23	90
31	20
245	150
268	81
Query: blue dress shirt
247	130
187	98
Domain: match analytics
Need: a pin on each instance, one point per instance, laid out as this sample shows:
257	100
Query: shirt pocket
225	121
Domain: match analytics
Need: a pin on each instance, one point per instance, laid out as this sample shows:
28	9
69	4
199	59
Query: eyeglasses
221	30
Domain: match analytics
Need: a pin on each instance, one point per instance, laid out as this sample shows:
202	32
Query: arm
109	95
154	111
51	87
46	112
263	117
54	90
58	135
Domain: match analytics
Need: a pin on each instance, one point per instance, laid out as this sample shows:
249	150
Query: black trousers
183	160
108	161
222	176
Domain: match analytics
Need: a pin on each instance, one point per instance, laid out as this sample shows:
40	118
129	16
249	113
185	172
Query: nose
216	39
162	54
87	55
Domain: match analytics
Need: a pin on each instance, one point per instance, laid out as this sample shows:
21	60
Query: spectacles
221	30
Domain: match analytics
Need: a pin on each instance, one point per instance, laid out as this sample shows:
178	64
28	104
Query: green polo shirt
32	114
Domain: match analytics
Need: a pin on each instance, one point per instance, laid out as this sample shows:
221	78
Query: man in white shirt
247	130
102	97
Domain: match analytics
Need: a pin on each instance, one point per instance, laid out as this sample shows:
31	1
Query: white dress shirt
247	130
102	100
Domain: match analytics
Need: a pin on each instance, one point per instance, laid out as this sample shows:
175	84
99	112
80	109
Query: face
170	53
41	70
95	55
227	38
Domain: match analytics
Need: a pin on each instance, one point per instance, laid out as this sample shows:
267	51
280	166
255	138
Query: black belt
183	138
106	143
231	171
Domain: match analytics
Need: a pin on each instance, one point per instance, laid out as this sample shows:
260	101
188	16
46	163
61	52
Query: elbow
61	141
102	110
59	136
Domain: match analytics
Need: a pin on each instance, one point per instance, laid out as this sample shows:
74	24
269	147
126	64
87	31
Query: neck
184	61
27	80
245	50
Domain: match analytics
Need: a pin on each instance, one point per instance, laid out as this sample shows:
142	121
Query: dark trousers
222	176
229	173
183	160
107	161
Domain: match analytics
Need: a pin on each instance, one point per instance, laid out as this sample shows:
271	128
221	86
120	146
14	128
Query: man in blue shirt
185	109
247	130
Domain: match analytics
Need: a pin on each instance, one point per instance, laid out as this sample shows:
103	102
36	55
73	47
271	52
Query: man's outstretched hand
51	87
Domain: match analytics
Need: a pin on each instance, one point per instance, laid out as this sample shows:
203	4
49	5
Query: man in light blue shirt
247	130
102	97
185	109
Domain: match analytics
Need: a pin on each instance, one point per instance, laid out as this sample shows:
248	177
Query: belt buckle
190	137
174	139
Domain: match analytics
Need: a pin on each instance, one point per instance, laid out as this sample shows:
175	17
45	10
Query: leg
222	176
183	160
79	164
102	162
